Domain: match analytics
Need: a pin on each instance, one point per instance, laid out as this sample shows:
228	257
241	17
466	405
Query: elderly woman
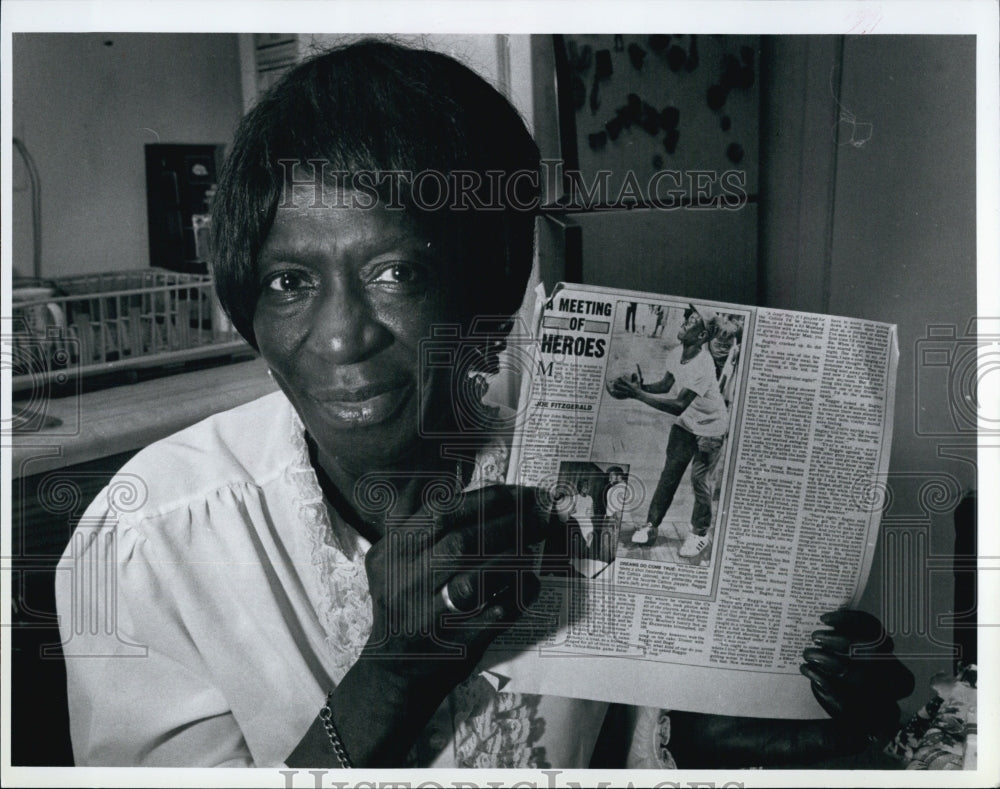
301	580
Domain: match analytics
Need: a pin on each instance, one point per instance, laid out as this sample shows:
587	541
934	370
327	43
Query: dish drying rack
99	323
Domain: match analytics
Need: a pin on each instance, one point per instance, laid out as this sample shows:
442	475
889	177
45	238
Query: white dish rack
99	323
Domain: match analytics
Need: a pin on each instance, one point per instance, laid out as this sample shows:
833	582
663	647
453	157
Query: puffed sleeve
139	694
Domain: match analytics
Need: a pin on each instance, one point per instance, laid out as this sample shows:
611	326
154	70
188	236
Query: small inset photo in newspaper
588	501
671	380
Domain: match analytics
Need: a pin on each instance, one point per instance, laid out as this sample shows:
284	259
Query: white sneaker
644	536
693	545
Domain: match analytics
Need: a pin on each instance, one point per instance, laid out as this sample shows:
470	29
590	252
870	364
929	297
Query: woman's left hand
855	675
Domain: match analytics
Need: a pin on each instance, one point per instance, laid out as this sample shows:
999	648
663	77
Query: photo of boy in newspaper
698	355
587	504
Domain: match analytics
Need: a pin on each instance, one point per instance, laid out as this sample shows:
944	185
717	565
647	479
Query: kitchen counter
126	418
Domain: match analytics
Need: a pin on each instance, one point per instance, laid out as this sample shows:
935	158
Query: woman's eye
285	282
399	274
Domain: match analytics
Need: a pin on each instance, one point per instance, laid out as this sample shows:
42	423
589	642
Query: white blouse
209	599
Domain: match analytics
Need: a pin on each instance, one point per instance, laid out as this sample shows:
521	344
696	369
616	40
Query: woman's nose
345	330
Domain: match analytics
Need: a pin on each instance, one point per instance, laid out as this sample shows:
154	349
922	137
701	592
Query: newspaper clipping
712	473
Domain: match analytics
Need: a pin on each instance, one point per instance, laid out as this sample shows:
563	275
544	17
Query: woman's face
346	295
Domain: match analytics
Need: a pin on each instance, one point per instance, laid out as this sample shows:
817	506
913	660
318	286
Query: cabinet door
697	254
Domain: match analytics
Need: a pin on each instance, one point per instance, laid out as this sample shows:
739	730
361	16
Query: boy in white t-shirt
697	436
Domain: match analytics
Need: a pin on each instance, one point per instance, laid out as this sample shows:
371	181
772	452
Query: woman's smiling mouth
364	405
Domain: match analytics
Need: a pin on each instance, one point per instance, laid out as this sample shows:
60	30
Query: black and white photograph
250	516
589	501
673	377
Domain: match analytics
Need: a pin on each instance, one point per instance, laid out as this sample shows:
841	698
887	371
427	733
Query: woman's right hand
481	548
418	649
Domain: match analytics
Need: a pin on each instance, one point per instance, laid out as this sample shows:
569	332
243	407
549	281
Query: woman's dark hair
375	106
